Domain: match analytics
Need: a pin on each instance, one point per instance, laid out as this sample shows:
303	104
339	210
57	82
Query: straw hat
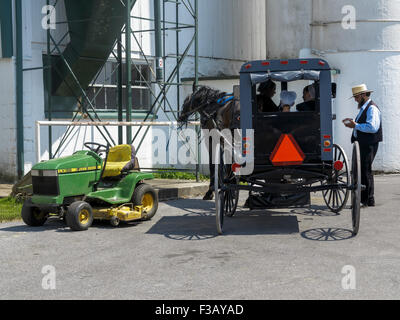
362	88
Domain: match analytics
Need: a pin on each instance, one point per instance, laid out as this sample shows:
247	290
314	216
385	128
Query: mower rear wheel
33	216
145	196
79	216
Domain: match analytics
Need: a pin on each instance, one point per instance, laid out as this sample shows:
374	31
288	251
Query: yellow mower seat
118	157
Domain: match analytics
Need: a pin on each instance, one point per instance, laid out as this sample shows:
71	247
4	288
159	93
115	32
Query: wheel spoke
330	196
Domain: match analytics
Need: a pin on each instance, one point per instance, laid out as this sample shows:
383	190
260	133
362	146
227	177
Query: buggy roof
284	65
285	76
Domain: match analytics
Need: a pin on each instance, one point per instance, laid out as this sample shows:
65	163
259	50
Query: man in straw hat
367	130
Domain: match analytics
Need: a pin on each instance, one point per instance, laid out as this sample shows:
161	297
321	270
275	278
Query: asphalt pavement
306	253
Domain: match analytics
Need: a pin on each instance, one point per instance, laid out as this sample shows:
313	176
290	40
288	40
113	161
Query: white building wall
230	33
369	54
288	27
35	41
8	141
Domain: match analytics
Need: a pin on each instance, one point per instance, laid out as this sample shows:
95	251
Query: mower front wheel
33	216
79	216
145	196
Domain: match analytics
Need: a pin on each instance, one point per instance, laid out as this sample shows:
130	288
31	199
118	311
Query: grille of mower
46	186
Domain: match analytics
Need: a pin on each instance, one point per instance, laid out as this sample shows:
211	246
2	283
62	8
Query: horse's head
202	99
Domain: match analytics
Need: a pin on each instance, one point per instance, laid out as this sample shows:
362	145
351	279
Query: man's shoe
371	203
363	205
209	195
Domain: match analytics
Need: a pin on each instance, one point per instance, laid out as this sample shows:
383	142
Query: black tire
222	198
79	216
227	177
356	188
114	221
33	216
336	199
231	196
220	212
145	195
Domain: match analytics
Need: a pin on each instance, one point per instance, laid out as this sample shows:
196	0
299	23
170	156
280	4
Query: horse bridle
203	112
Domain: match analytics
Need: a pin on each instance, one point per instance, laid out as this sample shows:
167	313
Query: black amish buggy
293	152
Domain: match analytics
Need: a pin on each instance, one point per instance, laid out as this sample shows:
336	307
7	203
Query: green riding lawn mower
83	187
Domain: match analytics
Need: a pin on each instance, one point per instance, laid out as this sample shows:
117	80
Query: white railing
99	124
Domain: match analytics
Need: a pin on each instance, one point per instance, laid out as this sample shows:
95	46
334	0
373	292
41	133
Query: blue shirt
373	121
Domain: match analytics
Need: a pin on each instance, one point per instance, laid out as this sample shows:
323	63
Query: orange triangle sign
287	152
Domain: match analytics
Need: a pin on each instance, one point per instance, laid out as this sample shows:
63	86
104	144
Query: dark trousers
367	155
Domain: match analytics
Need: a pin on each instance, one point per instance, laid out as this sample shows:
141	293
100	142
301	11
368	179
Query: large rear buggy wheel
336	198
356	188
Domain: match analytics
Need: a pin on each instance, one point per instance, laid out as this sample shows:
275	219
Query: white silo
369	54
361	39
288	27
231	32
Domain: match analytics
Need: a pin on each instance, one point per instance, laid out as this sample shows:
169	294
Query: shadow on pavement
58	225
314	211
194	206
203	227
51	224
327	234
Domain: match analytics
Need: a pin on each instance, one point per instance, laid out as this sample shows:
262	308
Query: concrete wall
8	141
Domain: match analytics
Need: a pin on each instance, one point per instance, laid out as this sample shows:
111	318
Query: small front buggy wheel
145	196
33	216
336	198
79	216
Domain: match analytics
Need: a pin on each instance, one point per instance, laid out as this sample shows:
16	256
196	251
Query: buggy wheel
231	198
230	195
356	188
220	212
218	187
336	198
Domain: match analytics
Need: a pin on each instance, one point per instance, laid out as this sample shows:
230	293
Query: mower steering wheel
92	147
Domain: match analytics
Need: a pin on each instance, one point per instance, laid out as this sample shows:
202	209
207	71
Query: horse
218	110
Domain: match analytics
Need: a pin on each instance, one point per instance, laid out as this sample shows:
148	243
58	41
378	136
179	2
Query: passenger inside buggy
267	91
270	86
288	99
309	99
291	92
